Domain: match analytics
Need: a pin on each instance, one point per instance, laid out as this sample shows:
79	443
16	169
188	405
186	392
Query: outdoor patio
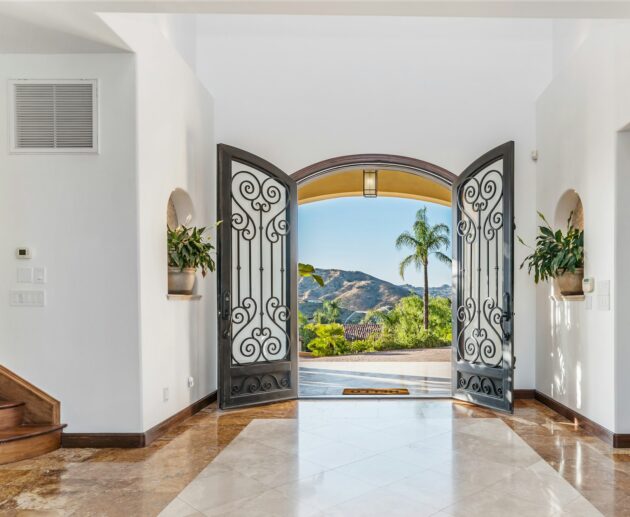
424	372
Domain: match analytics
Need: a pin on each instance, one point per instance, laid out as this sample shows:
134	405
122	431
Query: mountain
356	291
443	291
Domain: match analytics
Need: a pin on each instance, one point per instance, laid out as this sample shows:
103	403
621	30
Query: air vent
54	116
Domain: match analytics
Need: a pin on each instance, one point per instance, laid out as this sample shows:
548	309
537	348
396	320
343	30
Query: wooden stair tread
28	431
6	404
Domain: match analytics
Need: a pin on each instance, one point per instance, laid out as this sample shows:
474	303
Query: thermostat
588	285
23	253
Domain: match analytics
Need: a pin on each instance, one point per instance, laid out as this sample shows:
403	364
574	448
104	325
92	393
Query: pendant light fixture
370	183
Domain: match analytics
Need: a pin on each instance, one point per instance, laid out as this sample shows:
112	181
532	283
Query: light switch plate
603	287
24	298
588	303
39	275
25	275
603	302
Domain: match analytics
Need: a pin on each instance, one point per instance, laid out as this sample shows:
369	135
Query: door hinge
513	362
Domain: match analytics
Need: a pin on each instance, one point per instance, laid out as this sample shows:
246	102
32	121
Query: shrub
305	334
361	346
329	339
403	325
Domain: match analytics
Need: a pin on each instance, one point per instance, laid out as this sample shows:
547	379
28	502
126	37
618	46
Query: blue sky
358	234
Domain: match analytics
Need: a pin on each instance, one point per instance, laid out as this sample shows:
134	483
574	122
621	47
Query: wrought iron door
483	269
257	269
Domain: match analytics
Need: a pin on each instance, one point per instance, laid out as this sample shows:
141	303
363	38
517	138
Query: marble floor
337	457
328	379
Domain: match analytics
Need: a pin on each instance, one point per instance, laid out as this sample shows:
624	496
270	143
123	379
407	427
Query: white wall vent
53	116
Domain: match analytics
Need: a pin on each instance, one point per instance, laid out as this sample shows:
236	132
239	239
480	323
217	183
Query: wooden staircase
29	421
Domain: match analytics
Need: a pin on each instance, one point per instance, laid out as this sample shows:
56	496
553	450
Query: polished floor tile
337	457
472	467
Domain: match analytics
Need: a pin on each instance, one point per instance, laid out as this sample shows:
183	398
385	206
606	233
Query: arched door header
404	163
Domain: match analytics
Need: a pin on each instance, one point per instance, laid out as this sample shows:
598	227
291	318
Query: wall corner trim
134	440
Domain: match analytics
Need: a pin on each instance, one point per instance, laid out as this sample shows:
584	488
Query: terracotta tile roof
357	331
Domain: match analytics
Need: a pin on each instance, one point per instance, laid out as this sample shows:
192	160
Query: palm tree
424	240
329	313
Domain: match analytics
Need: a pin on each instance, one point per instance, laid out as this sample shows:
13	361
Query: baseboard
158	430
524	394
102	440
134	440
620	441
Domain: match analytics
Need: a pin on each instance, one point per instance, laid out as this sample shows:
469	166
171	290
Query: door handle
226	306
506	316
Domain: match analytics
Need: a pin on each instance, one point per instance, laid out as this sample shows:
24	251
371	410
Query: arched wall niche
568	203
179	210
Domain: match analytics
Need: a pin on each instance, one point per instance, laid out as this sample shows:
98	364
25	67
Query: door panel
257	280
483	269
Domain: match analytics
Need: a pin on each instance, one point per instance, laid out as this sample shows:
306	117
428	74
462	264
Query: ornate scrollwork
480	264
260	313
252	384
480	384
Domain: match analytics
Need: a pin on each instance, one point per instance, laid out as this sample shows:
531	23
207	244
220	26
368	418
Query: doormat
376	391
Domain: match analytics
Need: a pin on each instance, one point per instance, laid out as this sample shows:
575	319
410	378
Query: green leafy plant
329	313
555	252
402	327
189	248
362	346
306	270
305	333
329	340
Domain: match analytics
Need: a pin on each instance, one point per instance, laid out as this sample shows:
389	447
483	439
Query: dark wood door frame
404	163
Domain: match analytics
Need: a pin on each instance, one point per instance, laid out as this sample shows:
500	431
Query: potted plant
558	255
188	250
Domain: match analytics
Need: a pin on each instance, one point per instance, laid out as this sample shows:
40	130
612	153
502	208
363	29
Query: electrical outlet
191	382
165	394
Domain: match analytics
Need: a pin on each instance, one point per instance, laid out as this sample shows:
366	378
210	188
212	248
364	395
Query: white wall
108	342
77	213
180	30
176	149
296	90
583	355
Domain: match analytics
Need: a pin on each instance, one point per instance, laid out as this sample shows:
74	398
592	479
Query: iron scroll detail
479	311
260	314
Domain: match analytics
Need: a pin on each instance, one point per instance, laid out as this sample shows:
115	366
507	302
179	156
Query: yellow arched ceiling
391	183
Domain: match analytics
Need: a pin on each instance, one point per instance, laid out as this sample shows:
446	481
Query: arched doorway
364	293
257	266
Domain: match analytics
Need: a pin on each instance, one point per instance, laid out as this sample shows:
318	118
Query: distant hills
356	291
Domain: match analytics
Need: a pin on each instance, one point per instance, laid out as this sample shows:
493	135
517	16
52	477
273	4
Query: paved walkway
425	373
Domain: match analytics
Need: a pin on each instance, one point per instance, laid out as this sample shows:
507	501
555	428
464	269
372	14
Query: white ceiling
74	26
